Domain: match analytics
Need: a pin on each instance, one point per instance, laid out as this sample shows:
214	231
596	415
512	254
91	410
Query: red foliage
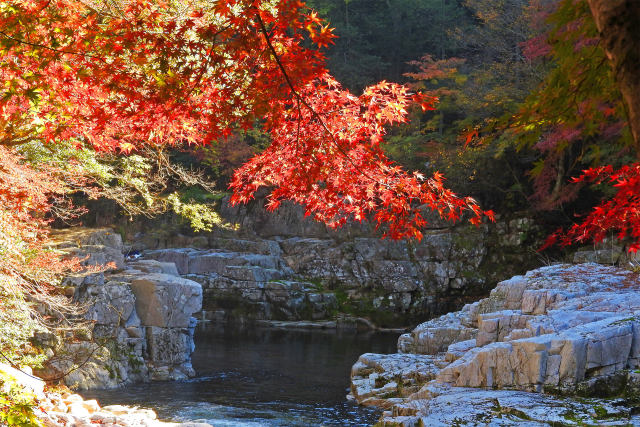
429	68
620	214
556	136
148	74
536	47
151	73
26	196
326	155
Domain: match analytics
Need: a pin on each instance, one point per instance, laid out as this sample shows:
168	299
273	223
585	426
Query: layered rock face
562	329
283	266
139	314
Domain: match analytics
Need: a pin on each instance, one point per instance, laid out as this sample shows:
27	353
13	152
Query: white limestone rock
464	406
377	377
24	377
436	335
561	327
87	413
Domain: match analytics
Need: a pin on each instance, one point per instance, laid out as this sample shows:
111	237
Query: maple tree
576	118
621	213
150	72
581	119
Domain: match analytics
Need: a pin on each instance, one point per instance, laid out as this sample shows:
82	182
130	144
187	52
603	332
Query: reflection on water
263	377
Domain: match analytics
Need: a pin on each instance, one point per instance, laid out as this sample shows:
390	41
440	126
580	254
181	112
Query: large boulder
166	301
139	315
111	303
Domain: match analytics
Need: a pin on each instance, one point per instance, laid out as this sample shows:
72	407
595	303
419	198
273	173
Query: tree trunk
618	22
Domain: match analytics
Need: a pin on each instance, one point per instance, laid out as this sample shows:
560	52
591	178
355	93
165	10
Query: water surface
263	377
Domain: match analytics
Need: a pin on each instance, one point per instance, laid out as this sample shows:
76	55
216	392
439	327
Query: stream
262	377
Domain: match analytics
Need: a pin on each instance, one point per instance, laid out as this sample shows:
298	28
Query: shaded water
263	377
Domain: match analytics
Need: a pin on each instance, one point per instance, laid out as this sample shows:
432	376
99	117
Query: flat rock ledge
557	346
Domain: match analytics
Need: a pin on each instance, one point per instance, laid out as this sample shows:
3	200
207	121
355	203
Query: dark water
263	377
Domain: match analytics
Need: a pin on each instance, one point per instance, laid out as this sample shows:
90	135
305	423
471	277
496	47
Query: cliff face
139	317
281	265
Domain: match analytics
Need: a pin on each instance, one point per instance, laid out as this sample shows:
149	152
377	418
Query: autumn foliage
326	155
151	72
575	119
578	122
24	200
146	72
620	214
126	77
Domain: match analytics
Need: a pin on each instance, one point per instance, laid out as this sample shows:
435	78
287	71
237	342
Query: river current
263	377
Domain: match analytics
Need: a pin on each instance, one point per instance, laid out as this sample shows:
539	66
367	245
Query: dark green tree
378	38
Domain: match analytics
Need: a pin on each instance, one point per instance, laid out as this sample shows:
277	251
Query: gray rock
436	335
179	257
463	406
166	301
168	347
141	317
109	304
376	378
154	266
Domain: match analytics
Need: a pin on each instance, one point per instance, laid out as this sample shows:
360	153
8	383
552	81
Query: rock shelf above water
139	317
284	266
562	329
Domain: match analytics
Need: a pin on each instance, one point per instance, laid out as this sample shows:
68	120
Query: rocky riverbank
523	356
64	409
284	266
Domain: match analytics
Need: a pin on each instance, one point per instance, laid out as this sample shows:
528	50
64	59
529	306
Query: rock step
380	379
551	360
466	406
253	273
561	328
242	273
276	299
436	335
263	247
